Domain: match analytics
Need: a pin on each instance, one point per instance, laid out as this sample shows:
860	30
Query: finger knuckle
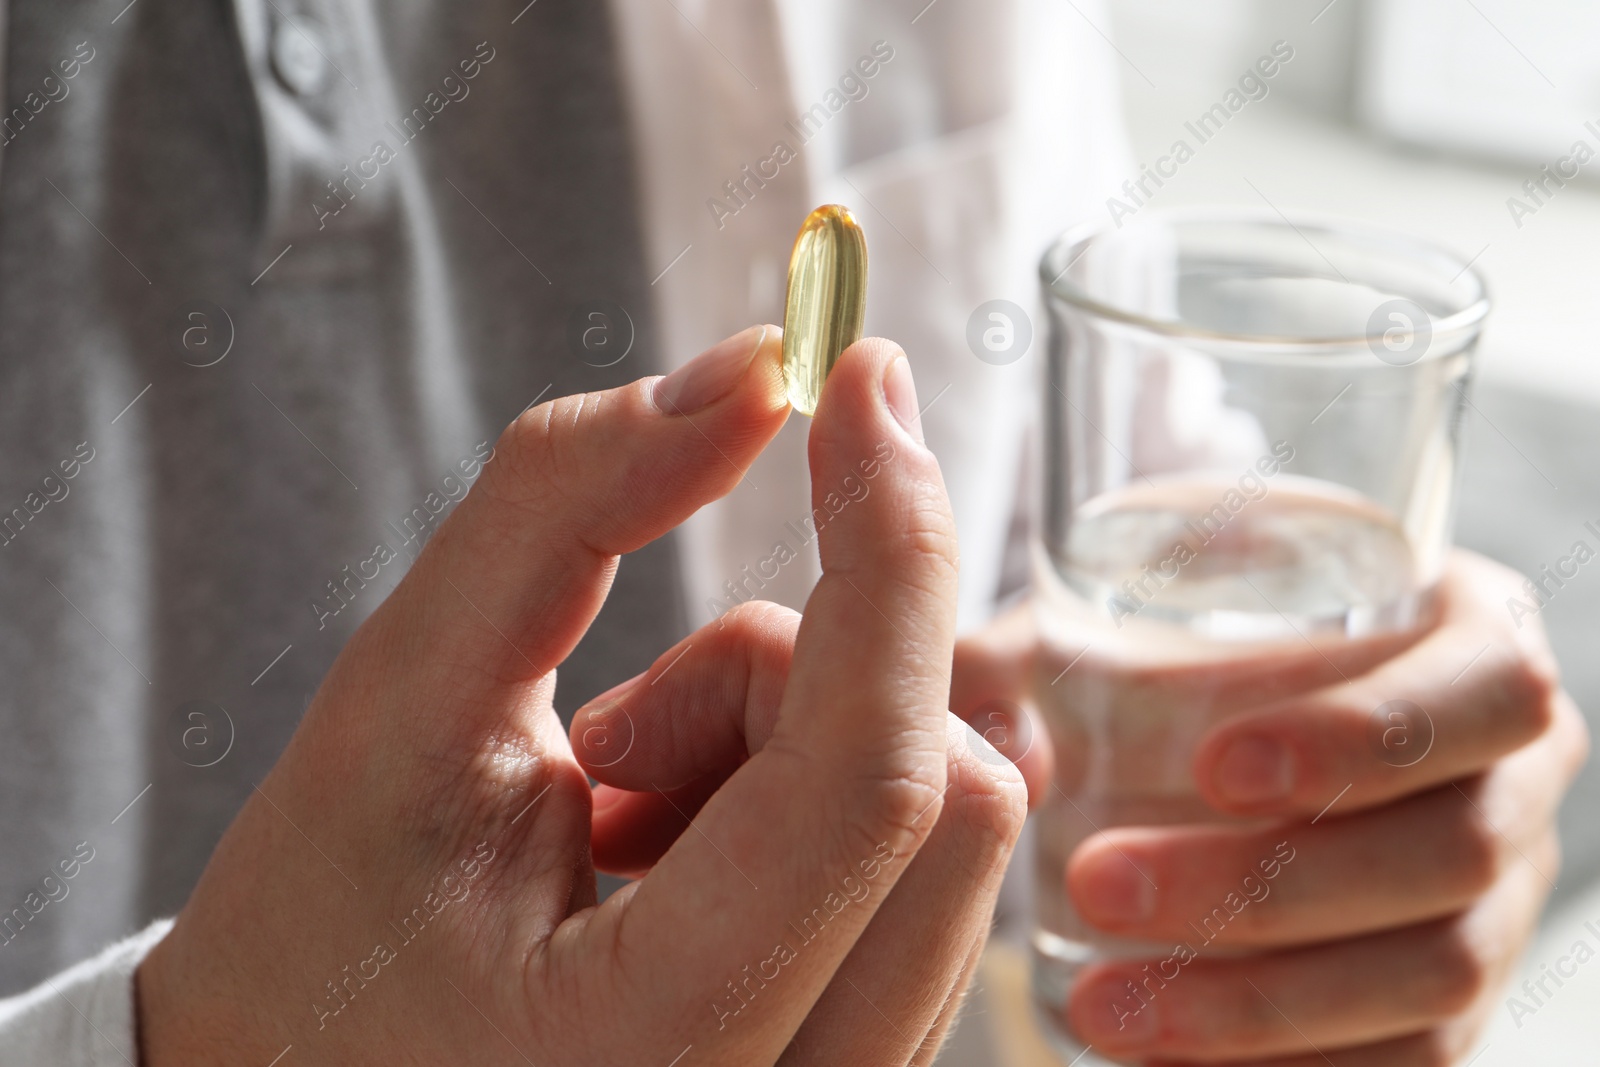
897	810
1432	1049
540	453
489	794
1472	849
1456	969
1528	686
990	800
757	616
927	536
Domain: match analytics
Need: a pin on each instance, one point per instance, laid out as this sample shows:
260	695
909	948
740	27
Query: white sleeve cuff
84	1016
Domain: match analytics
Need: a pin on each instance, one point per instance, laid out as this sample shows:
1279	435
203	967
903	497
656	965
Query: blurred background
1476	124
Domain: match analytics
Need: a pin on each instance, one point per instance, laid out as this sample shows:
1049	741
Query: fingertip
603	731
729	400
744	367
1104	1008
879	352
1109	887
765	376
856	435
878	496
616	469
757	407
870	391
900	393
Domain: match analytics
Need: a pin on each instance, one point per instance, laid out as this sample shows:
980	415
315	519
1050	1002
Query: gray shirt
272	277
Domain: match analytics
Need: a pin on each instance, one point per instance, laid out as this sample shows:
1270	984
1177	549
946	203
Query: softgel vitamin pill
826	303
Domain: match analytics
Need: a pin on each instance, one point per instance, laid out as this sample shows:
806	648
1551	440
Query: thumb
852	779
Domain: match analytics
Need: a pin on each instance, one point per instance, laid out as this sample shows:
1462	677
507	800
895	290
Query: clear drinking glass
1251	429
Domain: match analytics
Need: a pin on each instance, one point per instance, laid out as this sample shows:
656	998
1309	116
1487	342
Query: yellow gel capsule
826	303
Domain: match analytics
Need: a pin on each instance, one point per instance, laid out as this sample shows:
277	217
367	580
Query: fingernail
900	393
1253	770
1114	892
1113	1013
710	376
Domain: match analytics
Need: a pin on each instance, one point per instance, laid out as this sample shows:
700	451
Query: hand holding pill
839	811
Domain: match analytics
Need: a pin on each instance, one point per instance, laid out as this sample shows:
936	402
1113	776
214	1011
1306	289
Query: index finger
1475	688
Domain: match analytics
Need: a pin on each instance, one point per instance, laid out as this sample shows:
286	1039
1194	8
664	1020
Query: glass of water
1250	454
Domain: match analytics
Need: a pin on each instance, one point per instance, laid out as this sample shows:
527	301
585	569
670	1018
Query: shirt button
297	57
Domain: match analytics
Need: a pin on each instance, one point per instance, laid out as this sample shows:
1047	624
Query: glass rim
1469	318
